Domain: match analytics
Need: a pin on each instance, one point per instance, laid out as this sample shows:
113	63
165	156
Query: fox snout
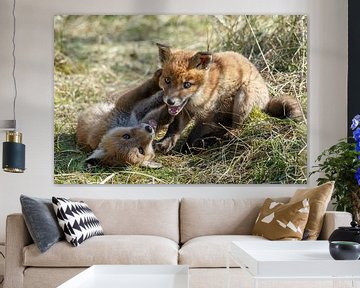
173	100
148	128
170	101
175	104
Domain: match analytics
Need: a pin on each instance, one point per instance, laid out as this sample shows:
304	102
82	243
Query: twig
143	174
302	149
208	35
299	104
257	44
70	151
153	178
107	178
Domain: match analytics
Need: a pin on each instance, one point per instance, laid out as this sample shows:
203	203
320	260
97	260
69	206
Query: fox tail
284	107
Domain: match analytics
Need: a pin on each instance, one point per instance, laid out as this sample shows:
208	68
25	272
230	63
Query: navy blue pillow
41	221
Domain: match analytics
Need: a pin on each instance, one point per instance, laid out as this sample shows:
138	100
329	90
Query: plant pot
344	250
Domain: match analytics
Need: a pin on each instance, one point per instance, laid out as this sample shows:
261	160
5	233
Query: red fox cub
218	90
122	132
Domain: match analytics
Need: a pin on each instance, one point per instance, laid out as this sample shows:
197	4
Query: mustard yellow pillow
319	198
279	221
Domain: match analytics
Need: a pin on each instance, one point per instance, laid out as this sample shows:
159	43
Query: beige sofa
194	232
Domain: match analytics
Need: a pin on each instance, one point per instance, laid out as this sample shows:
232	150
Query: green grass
97	56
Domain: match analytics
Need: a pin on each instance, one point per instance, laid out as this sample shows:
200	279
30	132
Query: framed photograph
180	99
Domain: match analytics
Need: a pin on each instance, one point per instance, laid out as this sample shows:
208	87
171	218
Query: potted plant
341	163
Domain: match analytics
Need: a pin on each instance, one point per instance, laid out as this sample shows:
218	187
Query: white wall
327	89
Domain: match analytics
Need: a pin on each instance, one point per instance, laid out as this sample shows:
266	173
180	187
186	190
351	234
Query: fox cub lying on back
122	132
218	90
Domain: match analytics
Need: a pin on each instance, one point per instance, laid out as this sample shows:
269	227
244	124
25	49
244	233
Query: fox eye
126	136
141	150
187	85
167	80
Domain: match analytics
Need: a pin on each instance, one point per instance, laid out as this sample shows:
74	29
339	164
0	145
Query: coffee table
293	260
131	276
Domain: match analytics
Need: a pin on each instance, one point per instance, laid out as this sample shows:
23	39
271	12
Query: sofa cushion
201	217
35	277
319	198
279	221
107	249
158	217
211	251
77	220
41	221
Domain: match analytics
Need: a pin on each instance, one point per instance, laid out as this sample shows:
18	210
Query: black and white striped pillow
77	220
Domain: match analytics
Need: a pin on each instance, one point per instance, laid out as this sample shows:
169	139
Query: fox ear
95	157
201	60
151	164
164	52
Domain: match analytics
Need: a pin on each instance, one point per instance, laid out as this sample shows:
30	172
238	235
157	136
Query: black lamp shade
13	157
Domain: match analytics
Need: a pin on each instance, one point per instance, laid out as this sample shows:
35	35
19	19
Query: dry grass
96	56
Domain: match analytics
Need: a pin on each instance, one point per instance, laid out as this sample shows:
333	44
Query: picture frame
99	57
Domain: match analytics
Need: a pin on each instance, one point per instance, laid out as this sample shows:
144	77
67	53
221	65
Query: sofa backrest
200	217
159	217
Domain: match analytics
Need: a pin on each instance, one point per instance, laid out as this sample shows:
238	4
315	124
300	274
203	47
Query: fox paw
165	145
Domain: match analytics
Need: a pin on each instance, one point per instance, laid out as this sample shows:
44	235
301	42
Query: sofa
194	232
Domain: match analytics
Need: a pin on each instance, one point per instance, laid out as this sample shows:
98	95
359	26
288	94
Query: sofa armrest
333	220
17	237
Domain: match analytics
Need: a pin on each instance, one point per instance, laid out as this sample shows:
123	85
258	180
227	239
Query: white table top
291	259
131	276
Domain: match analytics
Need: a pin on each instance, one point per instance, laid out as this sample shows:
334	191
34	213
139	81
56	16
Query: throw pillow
319	198
279	221
77	220
41	222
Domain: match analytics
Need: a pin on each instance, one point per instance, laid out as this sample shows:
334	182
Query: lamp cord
14	60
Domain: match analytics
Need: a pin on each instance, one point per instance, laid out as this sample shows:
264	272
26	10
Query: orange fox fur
216	90
122	132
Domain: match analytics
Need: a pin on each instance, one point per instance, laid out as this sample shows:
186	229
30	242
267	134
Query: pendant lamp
13	150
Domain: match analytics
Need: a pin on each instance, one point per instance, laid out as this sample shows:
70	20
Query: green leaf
339	163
